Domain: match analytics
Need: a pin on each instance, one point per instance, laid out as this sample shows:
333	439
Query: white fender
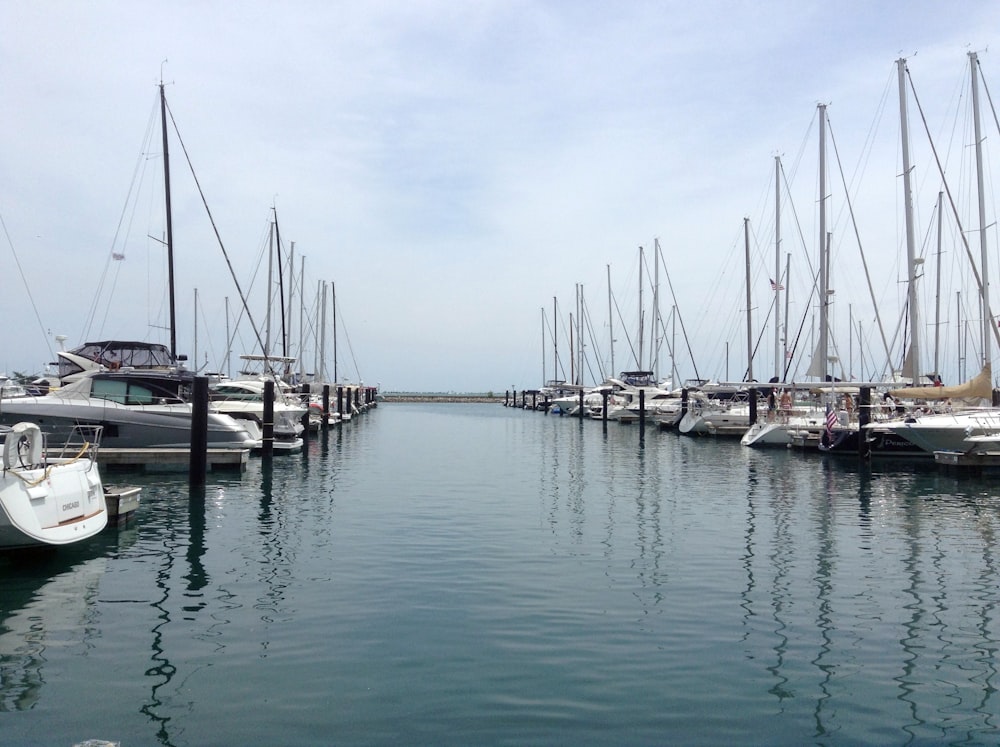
23	446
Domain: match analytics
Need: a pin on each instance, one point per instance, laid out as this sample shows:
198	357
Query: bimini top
126	354
638	378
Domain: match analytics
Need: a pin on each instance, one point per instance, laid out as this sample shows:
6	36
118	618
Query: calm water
466	574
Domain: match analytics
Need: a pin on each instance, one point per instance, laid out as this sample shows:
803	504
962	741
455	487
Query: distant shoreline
431	397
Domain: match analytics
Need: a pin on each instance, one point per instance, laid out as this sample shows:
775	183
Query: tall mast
784	337
267	300
555	338
673	347
281	286
170	224
777	268
824	281
333	293
611	326
291	296
322	333
543	346
937	293
572	352
655	316
911	252
642	258
317	347
746	243
987	322
579	333
302	312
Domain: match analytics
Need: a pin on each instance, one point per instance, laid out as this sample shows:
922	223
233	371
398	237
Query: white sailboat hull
53	505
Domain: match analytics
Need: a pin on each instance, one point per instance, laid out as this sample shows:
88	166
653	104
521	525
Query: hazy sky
454	166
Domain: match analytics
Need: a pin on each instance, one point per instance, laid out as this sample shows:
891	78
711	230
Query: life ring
22	447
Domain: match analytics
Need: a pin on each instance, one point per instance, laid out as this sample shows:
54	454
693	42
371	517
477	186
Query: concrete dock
170	460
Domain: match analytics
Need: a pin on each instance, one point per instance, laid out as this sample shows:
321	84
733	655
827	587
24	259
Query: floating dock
122	503
984	461
170	460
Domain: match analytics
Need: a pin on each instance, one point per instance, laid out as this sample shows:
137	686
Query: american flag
776	287
831	419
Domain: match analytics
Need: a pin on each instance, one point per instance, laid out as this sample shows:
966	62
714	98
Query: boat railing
82	441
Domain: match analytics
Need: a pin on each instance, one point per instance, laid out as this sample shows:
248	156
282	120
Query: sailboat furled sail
978	387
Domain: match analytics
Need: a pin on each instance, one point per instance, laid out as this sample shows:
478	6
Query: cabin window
68	368
139	395
122	392
109	389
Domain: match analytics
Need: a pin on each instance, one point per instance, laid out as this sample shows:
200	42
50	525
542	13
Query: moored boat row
870	420
53	496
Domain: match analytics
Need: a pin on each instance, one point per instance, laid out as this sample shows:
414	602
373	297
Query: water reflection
571	578
46	602
771	503
197	576
274	532
162	671
648	502
903	573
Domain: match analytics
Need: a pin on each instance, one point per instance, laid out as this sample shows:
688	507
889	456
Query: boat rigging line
20	271
215	229
951	201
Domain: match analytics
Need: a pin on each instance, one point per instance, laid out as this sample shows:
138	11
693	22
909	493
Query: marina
448	573
261	483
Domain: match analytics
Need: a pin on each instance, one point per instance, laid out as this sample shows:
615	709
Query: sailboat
804	425
968	429
48	501
845	434
726	410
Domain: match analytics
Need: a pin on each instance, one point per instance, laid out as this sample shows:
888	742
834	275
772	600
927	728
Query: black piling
326	406
304	398
198	460
864	417
753	405
604	406
268	448
580	408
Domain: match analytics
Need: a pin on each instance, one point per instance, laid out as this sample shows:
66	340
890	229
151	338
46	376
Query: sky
467	175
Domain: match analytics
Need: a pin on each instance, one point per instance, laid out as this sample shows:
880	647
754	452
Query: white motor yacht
243	399
136	408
